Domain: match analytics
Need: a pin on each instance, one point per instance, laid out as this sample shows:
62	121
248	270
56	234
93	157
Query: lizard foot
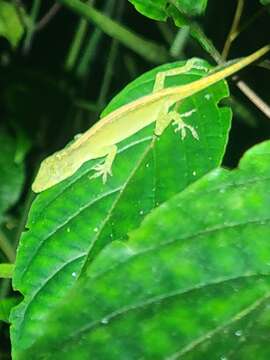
102	170
181	126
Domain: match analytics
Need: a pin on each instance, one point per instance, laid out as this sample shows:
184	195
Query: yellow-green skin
101	139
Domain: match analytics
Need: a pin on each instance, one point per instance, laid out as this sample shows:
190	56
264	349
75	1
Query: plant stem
4	290
30	29
108	74
180	41
107	78
234	28
7	248
166	32
253	97
6	271
244	88
249	22
76	45
149	50
47	17
181	20
91	48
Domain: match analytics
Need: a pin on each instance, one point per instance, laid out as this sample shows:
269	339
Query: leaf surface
70	223
10	24
158	9
192	282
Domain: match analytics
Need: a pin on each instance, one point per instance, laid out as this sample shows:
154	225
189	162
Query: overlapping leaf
10	24
157	9
69	224
180	12
193	282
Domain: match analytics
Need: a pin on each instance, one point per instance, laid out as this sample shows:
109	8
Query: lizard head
53	170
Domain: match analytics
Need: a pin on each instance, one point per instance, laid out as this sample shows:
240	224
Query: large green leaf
70	223
12	173
157	9
192	282
10	24
153	9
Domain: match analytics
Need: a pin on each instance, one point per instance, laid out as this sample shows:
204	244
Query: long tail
197	85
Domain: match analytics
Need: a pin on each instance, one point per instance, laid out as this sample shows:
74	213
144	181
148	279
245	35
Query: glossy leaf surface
157	9
70	223
192	282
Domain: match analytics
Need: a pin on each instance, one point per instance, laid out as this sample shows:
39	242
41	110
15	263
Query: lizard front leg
104	169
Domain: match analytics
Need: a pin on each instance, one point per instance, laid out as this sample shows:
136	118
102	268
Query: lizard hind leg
181	126
104	169
161	76
173	117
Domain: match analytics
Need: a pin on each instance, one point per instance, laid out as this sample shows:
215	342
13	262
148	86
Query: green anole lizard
101	139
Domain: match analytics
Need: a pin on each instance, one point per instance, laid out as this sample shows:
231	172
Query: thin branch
109	71
152	51
33	28
234	32
197	33
249	22
47	17
166	32
30	28
148	49
179	42
234	28
265	64
76	44
253	96
92	43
